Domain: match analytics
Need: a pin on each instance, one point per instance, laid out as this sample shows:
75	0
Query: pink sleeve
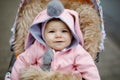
86	66
23	60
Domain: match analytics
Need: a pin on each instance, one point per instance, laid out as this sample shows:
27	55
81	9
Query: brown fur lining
89	24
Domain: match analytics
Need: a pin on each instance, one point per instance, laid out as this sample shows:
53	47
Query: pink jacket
75	60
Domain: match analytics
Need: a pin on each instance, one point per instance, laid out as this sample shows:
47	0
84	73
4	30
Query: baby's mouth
59	41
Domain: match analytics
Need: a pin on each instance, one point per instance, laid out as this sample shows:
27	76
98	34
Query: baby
54	43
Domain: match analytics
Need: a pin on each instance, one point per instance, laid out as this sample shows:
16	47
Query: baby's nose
58	35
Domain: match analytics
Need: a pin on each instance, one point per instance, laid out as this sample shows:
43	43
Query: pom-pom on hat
55	9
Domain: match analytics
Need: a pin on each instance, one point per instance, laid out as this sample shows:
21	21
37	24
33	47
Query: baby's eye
51	31
64	31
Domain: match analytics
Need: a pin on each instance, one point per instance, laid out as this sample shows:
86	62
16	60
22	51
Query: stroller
28	9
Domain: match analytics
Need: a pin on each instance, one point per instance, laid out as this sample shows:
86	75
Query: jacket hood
69	17
55	9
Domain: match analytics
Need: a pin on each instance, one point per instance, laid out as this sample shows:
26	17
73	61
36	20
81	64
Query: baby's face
57	35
